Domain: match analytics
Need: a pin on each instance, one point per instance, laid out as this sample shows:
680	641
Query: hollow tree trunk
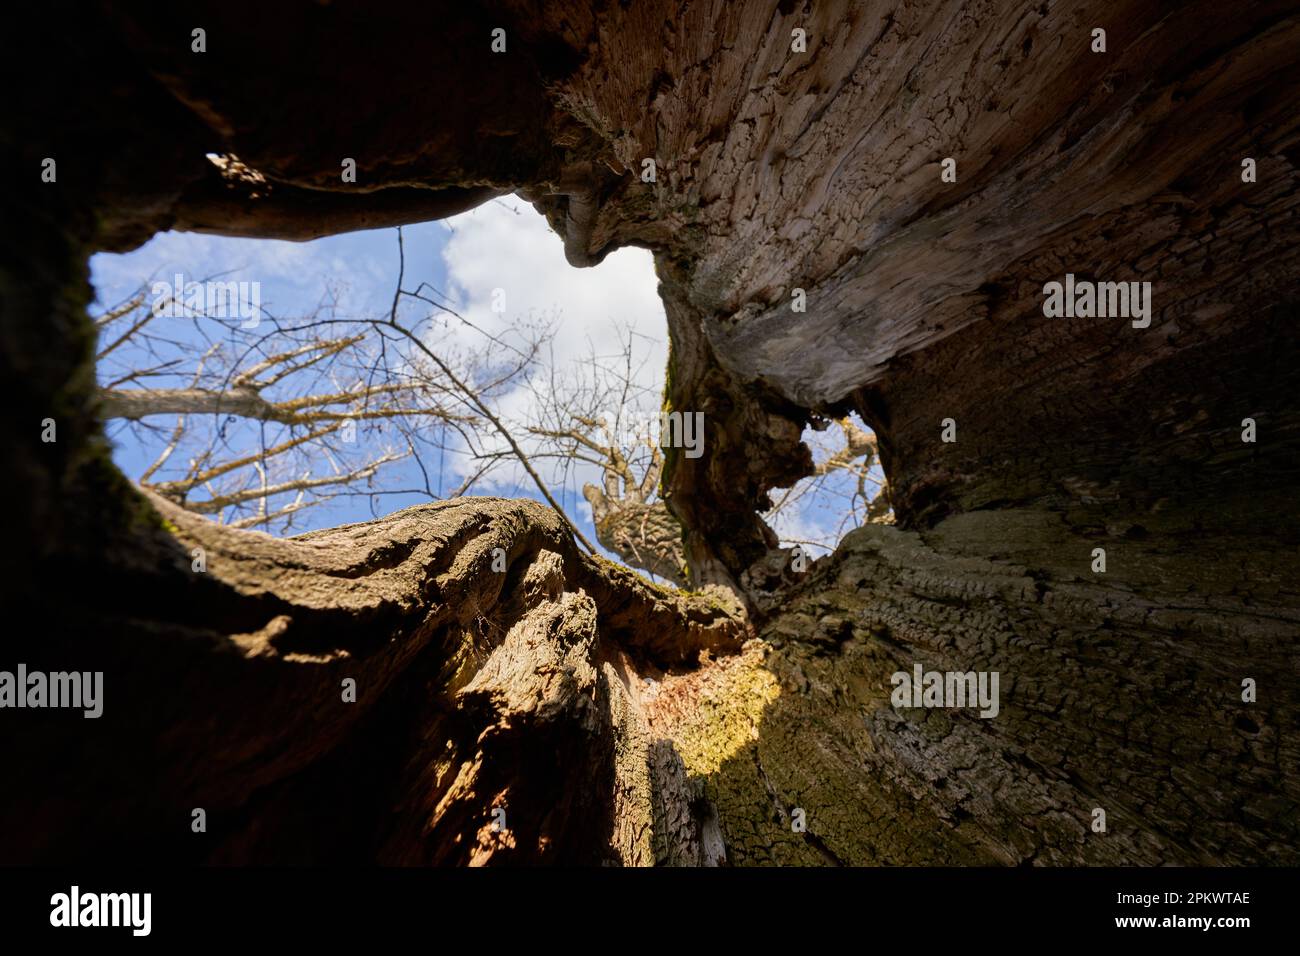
572	695
470	691
1120	693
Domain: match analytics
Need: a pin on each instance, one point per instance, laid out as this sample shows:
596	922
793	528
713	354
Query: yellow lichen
713	714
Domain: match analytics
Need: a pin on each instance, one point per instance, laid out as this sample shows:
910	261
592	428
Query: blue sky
503	247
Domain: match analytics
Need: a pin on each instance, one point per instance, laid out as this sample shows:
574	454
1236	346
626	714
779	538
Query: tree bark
1119	692
246	402
612	721
644	536
475	690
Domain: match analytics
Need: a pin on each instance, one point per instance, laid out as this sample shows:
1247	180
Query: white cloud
504	245
508	246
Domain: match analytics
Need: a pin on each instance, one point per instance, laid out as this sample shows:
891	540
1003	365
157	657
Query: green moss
670	454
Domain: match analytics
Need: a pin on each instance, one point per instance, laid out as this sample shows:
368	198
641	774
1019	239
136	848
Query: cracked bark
474	691
1120	691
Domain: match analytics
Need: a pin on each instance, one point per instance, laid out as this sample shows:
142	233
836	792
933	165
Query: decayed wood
611	721
820	171
229	693
1120	692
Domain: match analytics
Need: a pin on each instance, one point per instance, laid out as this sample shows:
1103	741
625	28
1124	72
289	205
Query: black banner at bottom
913	905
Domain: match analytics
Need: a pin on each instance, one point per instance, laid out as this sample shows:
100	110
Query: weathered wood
617	722
473	689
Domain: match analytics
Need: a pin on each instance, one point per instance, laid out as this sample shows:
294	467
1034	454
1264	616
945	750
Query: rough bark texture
474	690
611	721
645	536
